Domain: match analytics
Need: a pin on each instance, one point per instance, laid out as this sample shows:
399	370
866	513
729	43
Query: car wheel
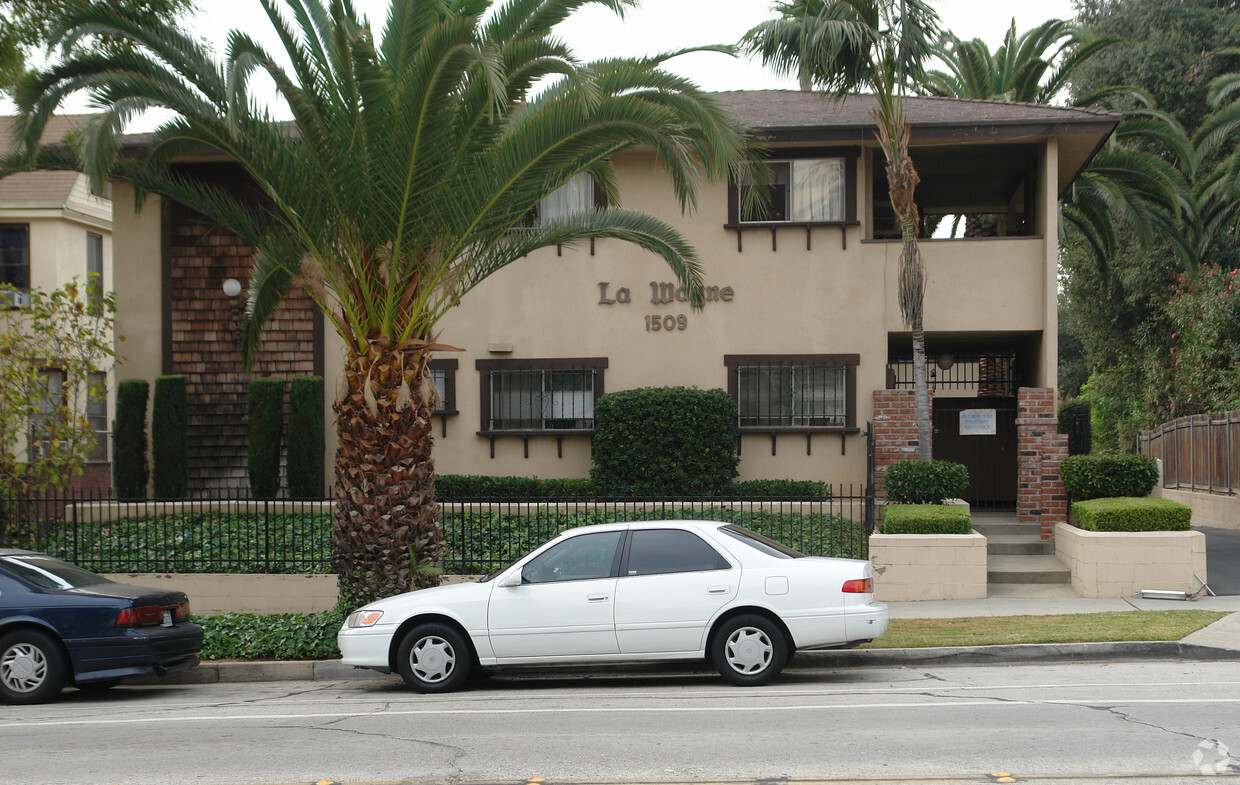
32	667
434	658
749	650
99	685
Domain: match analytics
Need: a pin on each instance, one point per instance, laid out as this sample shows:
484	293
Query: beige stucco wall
212	594
1209	509
138	281
1121	564
910	567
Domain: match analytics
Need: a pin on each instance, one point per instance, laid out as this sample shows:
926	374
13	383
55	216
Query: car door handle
598	598
717	590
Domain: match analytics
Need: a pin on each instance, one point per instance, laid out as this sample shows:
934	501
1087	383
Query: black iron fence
229	534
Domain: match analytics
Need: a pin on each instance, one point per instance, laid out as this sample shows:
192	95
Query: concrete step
1018	545
1033	591
1044	568
1010	528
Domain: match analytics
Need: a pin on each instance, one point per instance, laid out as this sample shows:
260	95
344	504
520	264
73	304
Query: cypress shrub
169	447
130	472
265	411
306	441
926	482
664	441
1106	476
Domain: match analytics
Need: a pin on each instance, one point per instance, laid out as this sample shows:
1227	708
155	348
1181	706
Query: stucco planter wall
1209	509
1121	564
928	566
211	594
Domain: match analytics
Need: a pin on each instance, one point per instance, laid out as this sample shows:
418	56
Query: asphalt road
1160	722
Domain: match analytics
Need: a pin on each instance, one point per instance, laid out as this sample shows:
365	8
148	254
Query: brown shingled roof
38	189
782	112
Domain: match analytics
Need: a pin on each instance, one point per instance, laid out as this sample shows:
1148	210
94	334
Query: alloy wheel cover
23	667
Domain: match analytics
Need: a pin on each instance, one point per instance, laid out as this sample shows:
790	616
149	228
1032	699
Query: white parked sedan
624	592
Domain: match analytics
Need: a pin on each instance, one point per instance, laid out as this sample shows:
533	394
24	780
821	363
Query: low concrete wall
1209	509
211	594
928	566
1121	564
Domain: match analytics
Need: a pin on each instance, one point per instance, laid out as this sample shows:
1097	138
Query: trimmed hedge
306	440
926	519
169	445
1132	514
277	636
1105	476
664	440
130	470
926	482
451	487
265	426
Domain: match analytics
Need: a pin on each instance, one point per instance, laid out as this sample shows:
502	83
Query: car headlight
364	618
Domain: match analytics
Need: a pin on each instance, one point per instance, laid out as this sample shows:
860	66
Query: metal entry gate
990	458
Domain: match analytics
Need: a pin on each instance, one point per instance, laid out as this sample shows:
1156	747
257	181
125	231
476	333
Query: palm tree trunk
386	509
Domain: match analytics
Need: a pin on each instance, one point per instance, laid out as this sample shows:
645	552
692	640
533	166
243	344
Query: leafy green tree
26	25
881	46
49	351
404	180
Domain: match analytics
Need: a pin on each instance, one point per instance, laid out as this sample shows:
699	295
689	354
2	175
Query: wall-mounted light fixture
232	288
945	361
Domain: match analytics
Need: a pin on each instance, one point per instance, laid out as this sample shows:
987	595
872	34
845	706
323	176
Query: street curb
212	672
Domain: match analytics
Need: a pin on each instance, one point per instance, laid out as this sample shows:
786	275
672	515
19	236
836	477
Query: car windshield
761	543
48	573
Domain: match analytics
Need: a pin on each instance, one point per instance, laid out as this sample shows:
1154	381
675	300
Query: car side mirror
510	580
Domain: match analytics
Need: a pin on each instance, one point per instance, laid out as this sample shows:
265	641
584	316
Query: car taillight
137	617
181	611
859	586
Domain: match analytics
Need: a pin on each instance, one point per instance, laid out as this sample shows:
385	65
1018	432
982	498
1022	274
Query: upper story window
577	195
533	396
443	376
15	259
800	191
793	392
94	270
53	398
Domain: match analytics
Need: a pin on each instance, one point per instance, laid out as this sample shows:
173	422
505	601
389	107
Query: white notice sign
977	422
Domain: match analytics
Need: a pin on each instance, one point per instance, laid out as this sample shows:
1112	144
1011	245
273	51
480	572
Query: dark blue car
61	624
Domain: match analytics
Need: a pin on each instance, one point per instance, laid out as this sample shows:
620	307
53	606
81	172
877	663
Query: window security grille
538	400
785	395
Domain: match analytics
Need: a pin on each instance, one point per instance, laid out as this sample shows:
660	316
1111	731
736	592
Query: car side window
661	551
579	558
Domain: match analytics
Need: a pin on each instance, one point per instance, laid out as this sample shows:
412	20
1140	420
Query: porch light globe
232	287
944	361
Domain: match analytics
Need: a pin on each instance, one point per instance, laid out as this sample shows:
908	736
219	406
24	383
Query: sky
660	26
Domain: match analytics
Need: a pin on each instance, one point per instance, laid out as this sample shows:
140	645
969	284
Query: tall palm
394	191
1032	67
881	46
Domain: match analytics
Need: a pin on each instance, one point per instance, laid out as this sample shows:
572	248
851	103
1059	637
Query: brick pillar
895	432
1040	495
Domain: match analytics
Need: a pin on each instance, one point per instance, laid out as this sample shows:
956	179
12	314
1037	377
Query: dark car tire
749	650
32	667
99	685
434	658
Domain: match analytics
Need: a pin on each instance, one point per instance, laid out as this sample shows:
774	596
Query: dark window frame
94	278
595	364
734	362
722	562
447	404
22	265
850	155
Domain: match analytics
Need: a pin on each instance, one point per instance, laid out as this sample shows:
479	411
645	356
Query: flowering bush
1201	372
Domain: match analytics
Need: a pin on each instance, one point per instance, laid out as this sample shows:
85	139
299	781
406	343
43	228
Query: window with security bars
97	416
797	392
443	376
546	395
52	400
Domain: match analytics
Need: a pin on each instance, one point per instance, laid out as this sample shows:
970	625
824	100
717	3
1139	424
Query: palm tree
1032	67
397	188
878	45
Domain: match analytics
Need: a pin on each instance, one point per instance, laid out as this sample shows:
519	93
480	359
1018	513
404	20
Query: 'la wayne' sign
663	294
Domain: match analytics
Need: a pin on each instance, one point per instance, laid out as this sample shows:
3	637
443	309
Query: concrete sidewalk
1219	641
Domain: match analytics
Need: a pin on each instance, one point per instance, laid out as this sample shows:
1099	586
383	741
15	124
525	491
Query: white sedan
625	592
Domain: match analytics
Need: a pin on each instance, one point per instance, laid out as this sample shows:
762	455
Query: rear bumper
146	651
866	622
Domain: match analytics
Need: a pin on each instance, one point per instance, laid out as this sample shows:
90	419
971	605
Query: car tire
32	667
749	650
434	658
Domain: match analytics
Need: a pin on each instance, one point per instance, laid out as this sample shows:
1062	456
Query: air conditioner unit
13	299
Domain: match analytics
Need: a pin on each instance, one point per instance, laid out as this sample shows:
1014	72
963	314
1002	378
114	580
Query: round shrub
1107	476
926	482
664	440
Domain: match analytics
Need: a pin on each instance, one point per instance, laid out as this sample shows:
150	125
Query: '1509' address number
667	323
